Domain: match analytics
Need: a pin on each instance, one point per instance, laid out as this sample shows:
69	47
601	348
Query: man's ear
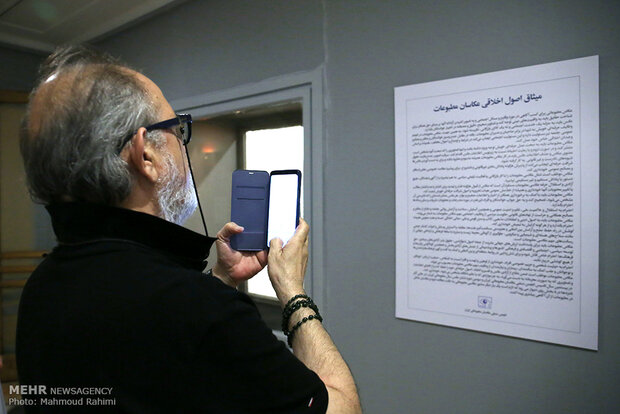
142	156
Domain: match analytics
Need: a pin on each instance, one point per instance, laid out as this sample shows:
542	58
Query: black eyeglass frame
179	119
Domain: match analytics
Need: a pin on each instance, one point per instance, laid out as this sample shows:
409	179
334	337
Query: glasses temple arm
191	172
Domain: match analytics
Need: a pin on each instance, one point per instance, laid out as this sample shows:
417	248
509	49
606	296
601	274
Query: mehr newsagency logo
42	395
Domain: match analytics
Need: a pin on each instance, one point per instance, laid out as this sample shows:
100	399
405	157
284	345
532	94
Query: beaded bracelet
288	312
298	324
291	300
289	308
292	307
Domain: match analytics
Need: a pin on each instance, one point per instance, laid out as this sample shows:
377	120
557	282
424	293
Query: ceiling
42	25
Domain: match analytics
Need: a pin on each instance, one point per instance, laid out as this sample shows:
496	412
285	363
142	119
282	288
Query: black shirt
122	304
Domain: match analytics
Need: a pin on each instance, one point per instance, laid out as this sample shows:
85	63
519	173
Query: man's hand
234	267
287	266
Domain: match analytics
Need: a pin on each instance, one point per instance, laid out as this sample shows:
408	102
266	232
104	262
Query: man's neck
143	198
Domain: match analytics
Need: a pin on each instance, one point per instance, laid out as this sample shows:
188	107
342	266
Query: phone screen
284	192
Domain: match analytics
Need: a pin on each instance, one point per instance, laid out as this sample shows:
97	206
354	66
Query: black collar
83	222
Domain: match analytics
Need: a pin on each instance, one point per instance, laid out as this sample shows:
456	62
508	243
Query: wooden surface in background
17	97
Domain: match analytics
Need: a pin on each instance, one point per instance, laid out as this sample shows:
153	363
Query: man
120	316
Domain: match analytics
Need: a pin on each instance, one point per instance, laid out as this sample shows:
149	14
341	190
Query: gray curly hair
86	104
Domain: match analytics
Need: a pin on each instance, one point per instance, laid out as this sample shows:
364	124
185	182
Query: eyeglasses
180	125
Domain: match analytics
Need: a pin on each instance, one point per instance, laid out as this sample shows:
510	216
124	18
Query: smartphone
250	198
284	208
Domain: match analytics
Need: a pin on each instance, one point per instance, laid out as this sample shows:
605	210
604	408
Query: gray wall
368	48
18	69
209	45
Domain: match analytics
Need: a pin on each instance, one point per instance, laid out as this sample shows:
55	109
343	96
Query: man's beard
177	197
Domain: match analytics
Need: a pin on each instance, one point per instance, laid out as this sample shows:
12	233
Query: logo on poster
485	302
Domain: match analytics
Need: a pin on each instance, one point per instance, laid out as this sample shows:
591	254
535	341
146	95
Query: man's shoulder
138	273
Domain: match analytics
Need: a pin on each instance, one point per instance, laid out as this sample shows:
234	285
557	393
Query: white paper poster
497	202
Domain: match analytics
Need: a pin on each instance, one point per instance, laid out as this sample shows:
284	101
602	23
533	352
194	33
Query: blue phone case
249	204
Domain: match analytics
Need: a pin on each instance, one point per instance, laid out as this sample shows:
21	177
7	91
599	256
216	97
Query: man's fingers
229	230
262	257
275	245
301	234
